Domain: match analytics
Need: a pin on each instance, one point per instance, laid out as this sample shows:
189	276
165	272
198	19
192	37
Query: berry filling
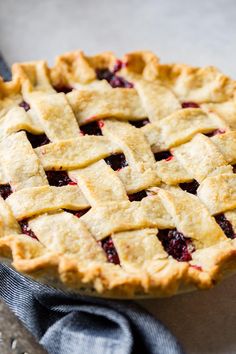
176	244
163	155
137	196
63	88
234	168
104	74
109	248
93	128
118	65
5	190
215	132
116	161
225	225
190	105
24	105
190	187
26	230
113	79
139	123
77	213
58	178
37	140
118	81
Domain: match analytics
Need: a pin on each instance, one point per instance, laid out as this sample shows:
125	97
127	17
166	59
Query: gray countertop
195	32
14	338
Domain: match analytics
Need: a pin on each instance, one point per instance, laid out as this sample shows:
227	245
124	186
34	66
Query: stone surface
203	321
194	32
14	338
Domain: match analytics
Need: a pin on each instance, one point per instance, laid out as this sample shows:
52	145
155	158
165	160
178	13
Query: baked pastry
118	177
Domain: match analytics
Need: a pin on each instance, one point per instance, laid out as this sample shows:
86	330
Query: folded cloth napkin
4	71
72	324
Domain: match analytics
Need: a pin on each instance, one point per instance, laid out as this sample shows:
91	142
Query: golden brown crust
35	83
76	67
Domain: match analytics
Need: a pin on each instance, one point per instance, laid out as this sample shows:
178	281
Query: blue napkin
4	71
72	324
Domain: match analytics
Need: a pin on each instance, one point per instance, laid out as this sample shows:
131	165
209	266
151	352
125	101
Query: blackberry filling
91	128
63	88
137	196
190	105
113	79
26	230
163	155
5	190
77	213
58	178
110	250
225	225
176	244
118	81
139	123
104	74
24	105
116	161
118	65
190	187
37	140
215	132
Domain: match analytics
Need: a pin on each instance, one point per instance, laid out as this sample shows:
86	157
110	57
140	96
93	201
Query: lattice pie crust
118	176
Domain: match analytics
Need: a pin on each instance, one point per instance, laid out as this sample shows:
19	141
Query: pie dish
117	176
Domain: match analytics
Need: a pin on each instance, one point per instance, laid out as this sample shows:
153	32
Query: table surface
14	338
195	32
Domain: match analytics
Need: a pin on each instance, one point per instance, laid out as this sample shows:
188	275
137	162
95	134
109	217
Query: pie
117	177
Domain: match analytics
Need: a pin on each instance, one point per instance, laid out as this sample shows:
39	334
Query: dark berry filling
225	225
190	187
215	132
139	123
163	155
26	230
93	128
37	140
190	105
63	88
118	81
104	74
234	168
118	65
113	79
109	248
24	105
116	161
5	190
58	178
176	244
137	196
77	213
